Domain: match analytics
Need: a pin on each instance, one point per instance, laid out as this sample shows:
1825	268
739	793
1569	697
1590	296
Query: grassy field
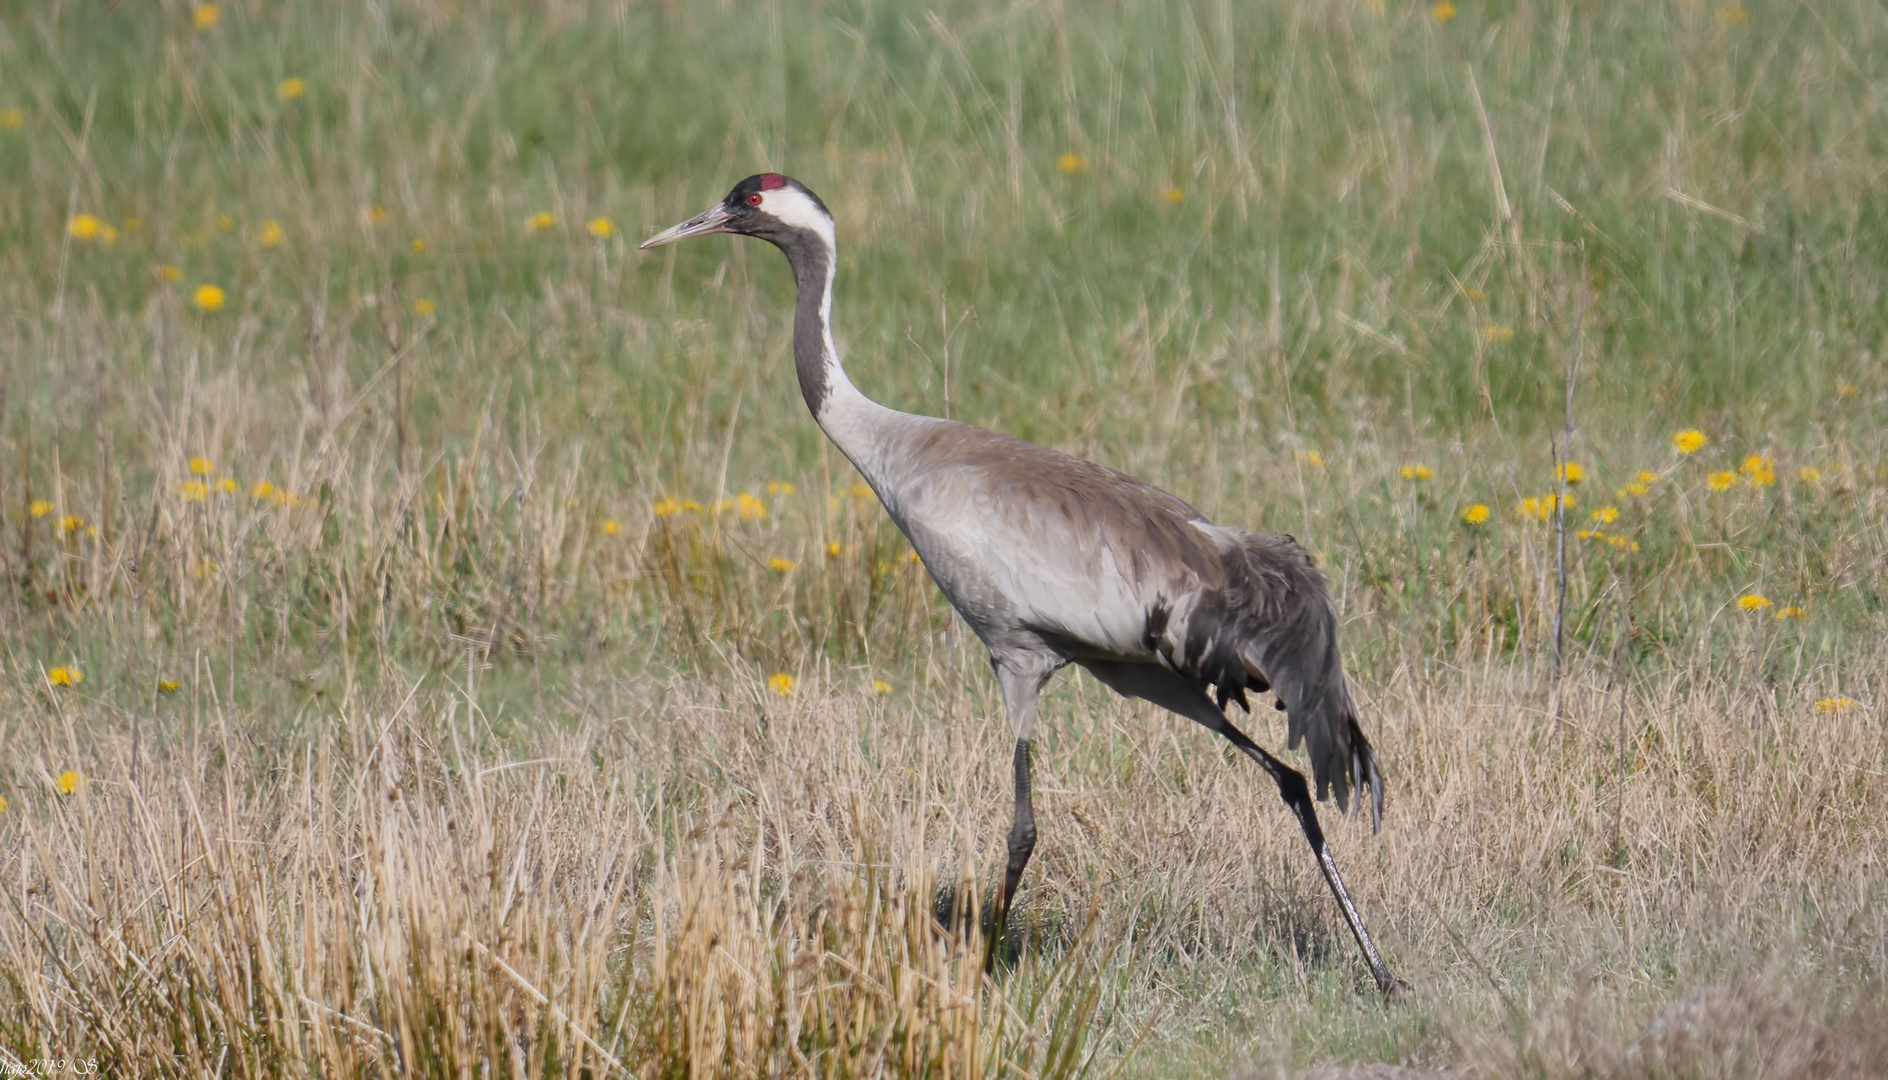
435	639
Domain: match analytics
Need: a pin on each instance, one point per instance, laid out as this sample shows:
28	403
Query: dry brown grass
692	879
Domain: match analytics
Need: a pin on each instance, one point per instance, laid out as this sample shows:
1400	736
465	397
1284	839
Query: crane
1053	560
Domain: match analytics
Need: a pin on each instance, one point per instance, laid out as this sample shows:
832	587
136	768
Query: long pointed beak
712	220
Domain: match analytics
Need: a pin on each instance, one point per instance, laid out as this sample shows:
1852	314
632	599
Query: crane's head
772	207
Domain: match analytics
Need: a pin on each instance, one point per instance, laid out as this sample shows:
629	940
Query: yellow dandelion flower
1605	515
133	224
69	782
84	227
666	507
1721	481
1071	162
1476	514
167	686
378	214
782	683
1311	458
1416	472
170	273
1846	390
781	566
200	465
1791	611
1498	332
779	487
1174	196
39	508
11	119
65	676
1809	474
291	89
417	246
3	804
271	233
204	16
611	526
879	686
1572	472
424	306
1442	11
1831	705
194	491
1760	470
1470	292
1542	507
1633	490
835	549
228	485
693	507
1734	14
749	508
71	523
207	298
1690	441
262	489
540	221
860	491
225	222
1753	602
1643	477
601	228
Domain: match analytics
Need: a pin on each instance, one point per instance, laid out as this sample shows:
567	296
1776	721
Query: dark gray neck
812	273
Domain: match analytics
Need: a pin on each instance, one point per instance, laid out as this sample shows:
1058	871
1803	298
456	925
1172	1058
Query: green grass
1692	207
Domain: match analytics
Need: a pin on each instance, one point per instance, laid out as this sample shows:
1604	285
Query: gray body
1053	560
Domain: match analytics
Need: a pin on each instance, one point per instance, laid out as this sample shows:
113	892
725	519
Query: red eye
754	199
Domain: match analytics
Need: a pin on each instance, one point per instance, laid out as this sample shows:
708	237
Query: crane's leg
1297	795
1022	679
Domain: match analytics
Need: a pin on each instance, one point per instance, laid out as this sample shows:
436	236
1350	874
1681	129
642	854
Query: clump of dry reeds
385	904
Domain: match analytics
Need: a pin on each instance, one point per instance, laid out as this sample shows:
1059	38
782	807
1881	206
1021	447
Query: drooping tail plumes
1288	637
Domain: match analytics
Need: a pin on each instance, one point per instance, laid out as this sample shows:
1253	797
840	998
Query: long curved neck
849	418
